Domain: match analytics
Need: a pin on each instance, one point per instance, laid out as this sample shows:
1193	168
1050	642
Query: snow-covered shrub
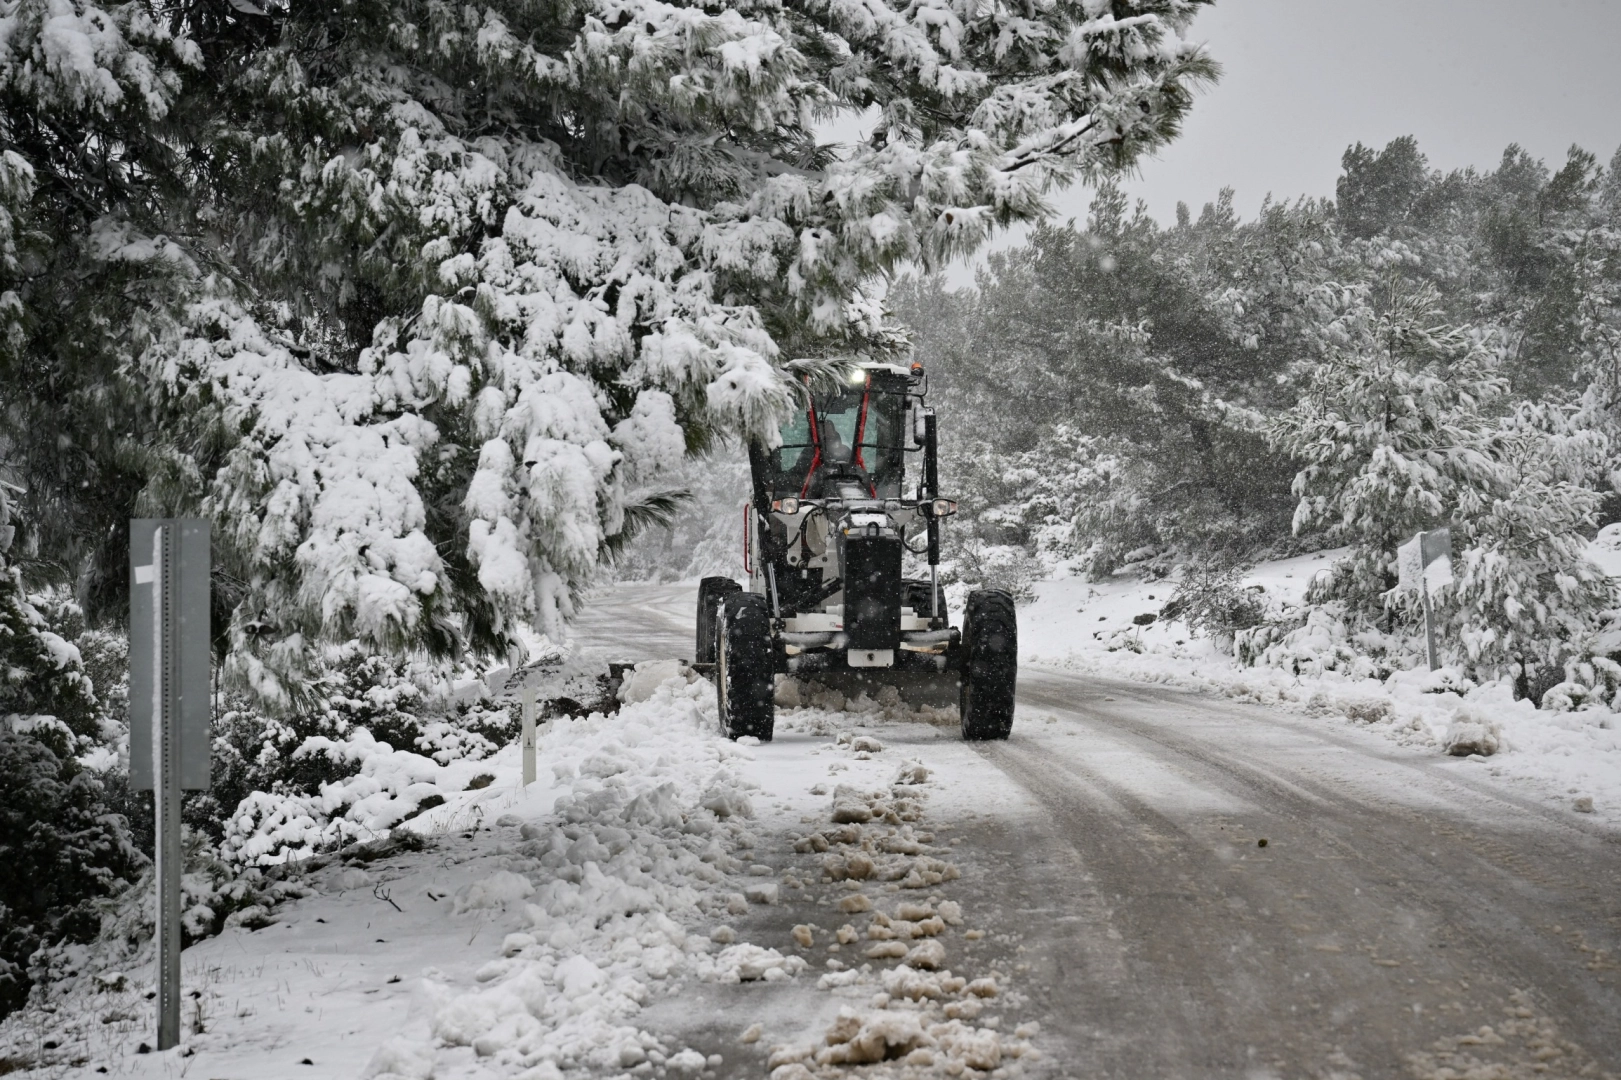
41	673
1213	599
978	565
1447	679
1320	642
339	791
61	848
380	745
1590	683
104	654
1569	697
213	894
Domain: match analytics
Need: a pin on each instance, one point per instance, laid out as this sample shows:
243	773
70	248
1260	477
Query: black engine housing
872	590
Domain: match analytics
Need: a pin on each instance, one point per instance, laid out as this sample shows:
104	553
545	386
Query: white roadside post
1425	563
502	681
170	717
528	735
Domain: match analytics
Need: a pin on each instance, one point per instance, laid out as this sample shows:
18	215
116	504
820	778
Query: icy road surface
1182	886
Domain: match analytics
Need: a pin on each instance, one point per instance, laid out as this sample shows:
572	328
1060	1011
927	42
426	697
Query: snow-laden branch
539	252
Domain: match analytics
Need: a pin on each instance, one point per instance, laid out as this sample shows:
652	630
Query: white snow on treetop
622	249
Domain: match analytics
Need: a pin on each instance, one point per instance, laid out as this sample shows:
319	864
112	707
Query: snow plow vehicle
837	507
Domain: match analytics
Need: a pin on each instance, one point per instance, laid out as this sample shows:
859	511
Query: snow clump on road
916	1018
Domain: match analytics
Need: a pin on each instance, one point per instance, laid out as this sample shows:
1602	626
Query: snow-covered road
1182	886
1398	904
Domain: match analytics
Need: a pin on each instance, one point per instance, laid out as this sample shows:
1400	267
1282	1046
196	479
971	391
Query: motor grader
848	497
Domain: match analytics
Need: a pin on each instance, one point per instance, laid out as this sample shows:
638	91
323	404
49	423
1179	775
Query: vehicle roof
881	365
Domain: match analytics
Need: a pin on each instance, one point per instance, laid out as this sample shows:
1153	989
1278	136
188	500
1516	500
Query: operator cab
848	443
833	502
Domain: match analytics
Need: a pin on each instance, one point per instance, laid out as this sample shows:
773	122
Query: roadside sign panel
1437	558
195	661
1425	561
1424	564
1410	563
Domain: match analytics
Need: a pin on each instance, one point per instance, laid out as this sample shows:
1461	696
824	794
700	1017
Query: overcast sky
1304	79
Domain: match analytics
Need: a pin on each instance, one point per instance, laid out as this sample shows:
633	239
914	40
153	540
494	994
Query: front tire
743	676
990	644
711	591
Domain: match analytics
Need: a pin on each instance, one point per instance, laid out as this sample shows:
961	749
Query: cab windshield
855	435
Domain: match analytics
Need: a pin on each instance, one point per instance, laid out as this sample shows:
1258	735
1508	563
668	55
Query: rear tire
744	686
711	591
990	644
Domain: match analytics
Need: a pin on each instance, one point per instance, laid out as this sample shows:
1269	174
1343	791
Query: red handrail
861	433
816	449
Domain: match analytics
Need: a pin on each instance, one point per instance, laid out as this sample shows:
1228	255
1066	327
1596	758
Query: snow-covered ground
1571	759
539	925
664	903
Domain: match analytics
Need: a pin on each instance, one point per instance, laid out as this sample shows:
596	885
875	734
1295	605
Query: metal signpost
170	717
1425	563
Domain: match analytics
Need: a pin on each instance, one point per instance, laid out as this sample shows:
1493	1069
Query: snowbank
588	893
538	930
1568	759
602	899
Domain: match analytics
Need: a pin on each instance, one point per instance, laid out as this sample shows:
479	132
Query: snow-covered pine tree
1405	426
455	282
91	155
61	847
1134	367
1597	269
